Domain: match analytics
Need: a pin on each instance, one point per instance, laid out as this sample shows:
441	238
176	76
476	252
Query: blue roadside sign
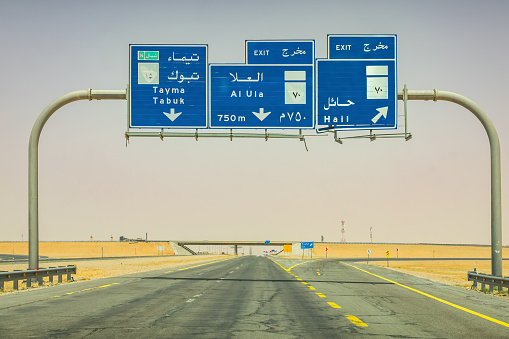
168	86
306	245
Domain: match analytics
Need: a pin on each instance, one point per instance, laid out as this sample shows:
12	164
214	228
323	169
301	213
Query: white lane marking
190	300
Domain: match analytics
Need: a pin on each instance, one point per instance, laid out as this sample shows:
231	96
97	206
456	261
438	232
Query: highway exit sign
357	83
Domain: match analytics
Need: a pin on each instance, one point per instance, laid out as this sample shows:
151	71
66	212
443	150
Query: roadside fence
30	276
489	280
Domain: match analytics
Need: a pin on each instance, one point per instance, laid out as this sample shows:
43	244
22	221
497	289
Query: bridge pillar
236	250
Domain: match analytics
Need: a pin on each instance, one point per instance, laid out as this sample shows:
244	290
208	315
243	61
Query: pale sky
434	188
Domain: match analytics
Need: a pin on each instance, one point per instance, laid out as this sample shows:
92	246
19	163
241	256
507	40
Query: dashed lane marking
208	263
352	318
356	321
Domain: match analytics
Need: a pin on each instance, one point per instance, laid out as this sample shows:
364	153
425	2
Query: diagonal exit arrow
261	114
172	115
381	111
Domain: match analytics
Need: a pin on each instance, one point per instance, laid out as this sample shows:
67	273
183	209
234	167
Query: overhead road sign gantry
168	86
274	89
357	84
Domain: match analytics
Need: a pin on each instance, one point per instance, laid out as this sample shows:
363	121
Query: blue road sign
281	52
307	244
357	85
261	96
168	86
361	47
267	242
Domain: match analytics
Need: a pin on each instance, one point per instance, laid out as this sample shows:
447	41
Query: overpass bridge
235	244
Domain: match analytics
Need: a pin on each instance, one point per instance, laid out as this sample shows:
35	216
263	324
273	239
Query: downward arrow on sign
262	114
172	115
381	111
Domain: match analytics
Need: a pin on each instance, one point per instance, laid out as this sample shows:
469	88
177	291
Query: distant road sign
280	52
357	85
287	248
261	96
168	86
267	242
387	254
369	251
306	245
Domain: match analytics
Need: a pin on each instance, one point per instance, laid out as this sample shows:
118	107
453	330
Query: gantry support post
33	161
496	193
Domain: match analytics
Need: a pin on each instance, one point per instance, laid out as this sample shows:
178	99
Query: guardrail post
15	285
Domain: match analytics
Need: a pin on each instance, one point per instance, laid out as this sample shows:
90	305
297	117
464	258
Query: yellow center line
305	283
356	320
435	298
321	295
288	269
333	305
311	288
87	289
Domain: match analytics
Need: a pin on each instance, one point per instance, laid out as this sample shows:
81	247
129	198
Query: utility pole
343	231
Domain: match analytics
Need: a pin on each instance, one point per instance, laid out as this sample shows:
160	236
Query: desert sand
143	256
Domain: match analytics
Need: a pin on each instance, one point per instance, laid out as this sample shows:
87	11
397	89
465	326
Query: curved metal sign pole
496	192
33	161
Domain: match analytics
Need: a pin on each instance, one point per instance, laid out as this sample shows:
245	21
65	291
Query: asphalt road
256	297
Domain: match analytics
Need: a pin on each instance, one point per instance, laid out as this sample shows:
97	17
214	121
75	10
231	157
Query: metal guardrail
489	280
38	274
